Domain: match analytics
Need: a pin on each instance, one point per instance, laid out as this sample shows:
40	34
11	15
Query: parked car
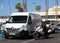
57	26
40	33
51	26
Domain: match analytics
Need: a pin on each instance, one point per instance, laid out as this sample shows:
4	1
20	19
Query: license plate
11	33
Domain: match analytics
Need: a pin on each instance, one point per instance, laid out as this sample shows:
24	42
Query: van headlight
23	28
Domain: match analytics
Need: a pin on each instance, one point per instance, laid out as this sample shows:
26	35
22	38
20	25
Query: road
54	38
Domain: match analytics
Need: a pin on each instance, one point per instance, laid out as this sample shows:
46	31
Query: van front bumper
18	34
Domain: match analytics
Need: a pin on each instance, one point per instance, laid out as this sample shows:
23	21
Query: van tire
6	37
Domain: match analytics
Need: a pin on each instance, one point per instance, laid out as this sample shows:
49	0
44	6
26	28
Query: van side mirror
29	22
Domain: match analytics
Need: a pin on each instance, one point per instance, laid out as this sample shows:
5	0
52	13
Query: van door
30	25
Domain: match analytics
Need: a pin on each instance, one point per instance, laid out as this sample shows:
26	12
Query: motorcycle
40	33
49	28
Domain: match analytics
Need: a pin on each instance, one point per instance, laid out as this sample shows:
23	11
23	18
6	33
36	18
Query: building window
51	16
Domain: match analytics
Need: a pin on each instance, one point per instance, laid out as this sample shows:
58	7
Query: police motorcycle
40	33
48	26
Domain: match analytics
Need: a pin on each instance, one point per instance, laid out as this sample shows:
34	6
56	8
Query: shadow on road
48	38
21	38
51	37
28	38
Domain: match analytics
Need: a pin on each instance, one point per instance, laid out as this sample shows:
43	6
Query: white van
21	24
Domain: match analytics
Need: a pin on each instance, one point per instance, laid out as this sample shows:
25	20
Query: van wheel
6	37
26	34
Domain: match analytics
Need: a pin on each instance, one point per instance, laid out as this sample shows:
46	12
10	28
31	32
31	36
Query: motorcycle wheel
36	36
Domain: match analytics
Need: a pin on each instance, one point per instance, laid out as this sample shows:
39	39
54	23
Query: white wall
3	20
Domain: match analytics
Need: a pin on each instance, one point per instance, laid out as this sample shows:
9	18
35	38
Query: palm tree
18	7
38	8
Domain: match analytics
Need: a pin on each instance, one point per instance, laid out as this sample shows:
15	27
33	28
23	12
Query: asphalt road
54	38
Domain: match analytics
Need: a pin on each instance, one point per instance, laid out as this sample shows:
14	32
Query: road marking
28	41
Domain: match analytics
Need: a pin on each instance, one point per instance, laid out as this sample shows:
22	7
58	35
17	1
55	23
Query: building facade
53	14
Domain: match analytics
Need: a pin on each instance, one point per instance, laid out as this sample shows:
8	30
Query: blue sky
4	9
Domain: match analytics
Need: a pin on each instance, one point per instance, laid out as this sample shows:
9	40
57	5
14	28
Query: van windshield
18	19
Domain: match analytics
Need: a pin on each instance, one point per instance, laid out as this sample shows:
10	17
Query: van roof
23	13
20	14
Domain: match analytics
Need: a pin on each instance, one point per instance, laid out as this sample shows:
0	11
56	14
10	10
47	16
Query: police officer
45	29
